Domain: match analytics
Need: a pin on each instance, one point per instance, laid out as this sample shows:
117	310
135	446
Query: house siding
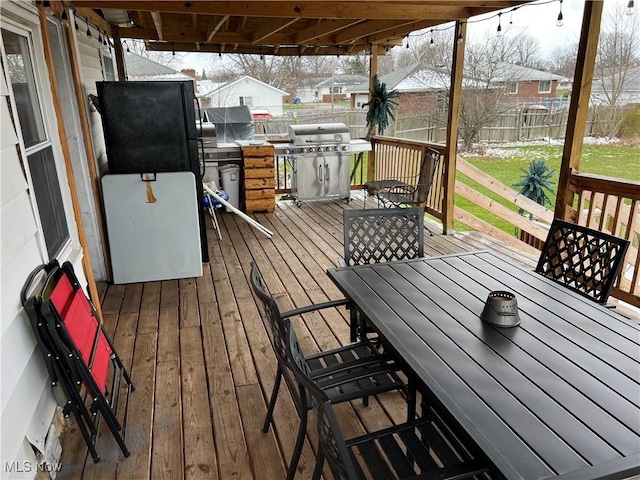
27	406
528	91
262	96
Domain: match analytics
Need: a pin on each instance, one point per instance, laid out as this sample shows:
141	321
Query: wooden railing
397	158
534	231
607	204
612	205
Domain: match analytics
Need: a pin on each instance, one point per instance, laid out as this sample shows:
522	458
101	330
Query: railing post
451	148
579	108
371	160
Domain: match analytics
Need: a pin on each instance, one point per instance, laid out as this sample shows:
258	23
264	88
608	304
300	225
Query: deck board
199	353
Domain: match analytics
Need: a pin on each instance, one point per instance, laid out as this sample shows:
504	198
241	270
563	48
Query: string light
407	37
431	43
64	18
499	30
124	44
560	20
99	36
630	8
86	20
460	39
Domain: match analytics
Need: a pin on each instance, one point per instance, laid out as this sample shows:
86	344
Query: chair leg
411	399
297	450
319	464
353	323
272	400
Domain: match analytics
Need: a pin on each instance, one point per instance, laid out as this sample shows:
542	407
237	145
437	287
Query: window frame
32	34
540	83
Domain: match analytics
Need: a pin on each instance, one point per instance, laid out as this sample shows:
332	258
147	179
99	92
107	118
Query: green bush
630	127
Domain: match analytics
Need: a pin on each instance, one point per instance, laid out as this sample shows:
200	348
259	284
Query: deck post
117	48
453	121
579	108
371	156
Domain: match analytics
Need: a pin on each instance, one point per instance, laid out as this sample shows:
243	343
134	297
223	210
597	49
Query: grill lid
319	133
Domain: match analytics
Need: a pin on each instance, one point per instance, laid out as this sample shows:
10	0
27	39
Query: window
512	88
38	148
335	89
107	68
248	101
544	86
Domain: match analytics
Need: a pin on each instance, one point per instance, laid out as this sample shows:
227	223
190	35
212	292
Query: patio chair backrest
583	259
272	312
383	235
427	172
329	435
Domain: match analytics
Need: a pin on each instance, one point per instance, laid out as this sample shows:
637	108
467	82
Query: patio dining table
556	396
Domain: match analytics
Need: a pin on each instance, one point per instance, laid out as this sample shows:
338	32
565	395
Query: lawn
505	163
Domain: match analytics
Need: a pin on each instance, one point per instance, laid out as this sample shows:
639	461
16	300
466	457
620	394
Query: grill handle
320	178
326	172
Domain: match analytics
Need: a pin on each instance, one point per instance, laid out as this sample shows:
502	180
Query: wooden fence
612	205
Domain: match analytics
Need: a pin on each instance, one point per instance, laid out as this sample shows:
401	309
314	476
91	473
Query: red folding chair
83	355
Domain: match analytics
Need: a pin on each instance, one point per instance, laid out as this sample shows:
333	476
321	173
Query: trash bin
230	179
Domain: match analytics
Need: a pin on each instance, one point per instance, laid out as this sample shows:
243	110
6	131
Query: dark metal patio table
556	396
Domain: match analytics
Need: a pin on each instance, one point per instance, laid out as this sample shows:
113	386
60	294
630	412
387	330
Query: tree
618	49
536	182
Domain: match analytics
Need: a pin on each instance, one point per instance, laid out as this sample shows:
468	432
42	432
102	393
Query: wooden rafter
269	28
157	22
214	26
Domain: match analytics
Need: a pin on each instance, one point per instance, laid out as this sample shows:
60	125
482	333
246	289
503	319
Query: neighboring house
245	90
423	88
308	91
142	69
37	213
338	87
629	88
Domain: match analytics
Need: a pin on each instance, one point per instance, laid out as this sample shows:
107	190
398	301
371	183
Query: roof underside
281	27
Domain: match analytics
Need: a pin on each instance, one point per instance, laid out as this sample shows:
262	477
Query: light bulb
432	44
630	7
560	20
499	29
460	38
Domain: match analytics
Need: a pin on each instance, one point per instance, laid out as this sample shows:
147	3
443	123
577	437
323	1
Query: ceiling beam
282	50
323	28
397	10
214	26
270	27
157	22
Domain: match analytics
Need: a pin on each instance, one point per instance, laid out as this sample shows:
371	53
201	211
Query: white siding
262	96
27	405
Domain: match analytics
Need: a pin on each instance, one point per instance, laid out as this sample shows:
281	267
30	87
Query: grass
506	164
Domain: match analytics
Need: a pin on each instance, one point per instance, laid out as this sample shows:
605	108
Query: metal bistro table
558	395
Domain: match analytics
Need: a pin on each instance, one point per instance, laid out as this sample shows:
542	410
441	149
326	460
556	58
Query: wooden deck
202	364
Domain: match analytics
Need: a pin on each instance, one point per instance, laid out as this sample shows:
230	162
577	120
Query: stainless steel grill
319	155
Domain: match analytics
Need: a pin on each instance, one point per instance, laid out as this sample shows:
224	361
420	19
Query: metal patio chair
422	448
585	260
356	371
398	191
381	235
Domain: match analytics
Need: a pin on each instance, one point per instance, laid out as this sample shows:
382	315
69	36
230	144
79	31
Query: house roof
631	81
141	68
206	87
512	72
420	77
343	80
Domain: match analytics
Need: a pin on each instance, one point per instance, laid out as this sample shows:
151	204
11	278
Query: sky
537	19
